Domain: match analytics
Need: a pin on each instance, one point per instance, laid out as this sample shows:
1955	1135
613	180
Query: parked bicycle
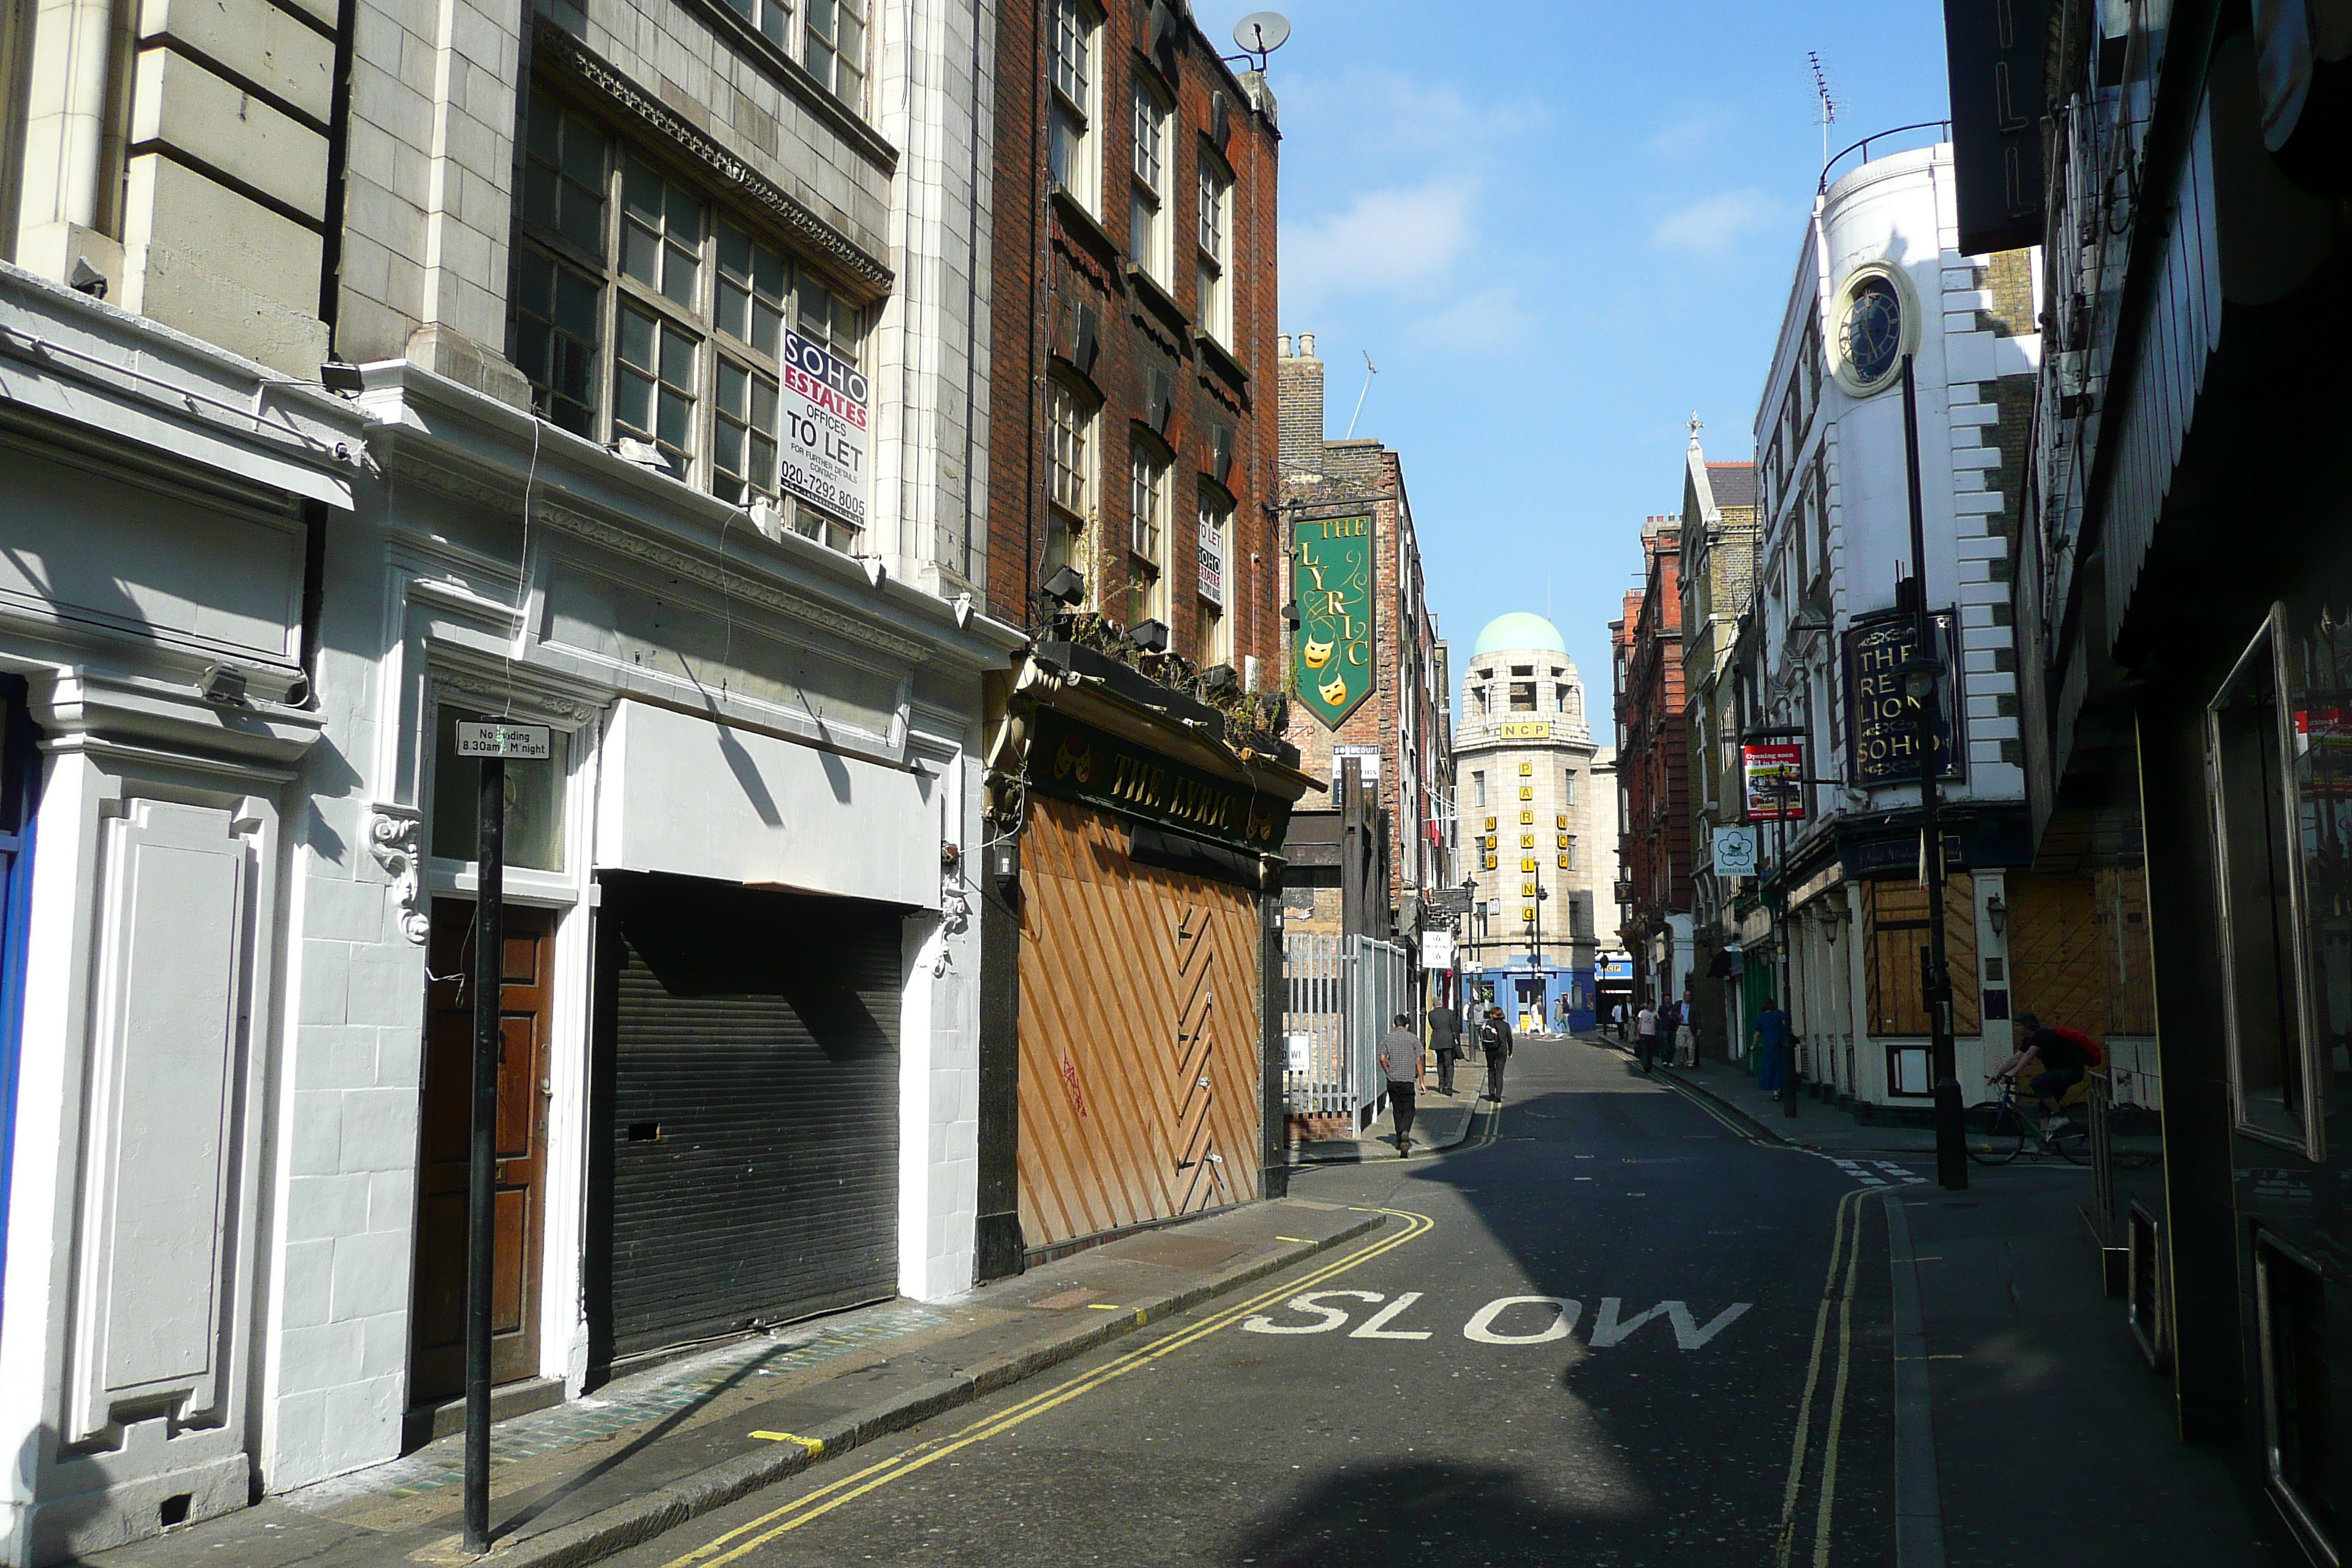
1998	1130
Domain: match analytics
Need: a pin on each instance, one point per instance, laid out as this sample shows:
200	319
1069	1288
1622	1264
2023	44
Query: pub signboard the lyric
1886	749
1332	669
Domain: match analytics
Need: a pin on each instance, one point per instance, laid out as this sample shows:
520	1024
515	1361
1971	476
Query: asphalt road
1399	1400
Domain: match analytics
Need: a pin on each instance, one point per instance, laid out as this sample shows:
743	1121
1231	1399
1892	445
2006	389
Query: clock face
1872	334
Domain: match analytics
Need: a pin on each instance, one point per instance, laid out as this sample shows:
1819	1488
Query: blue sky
1559	228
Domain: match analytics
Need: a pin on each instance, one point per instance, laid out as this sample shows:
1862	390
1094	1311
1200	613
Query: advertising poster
825	437
1770	774
1332	574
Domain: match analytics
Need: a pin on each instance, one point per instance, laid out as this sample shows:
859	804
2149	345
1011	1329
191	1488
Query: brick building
1652	771
1718	581
1398	731
1138	784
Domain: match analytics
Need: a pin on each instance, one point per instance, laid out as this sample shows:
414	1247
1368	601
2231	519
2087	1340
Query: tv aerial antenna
1258	34
1827	100
1370	370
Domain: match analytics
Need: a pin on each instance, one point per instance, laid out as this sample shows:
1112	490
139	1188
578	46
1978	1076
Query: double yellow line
749	1537
1846	1249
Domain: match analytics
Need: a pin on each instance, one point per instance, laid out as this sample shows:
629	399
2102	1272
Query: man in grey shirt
1400	1061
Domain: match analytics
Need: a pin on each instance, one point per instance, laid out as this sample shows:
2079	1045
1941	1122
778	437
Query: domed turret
1519	631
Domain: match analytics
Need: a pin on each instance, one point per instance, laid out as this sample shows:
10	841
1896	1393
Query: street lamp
1536	927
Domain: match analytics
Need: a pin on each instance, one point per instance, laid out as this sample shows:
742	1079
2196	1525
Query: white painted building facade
239	613
1834	535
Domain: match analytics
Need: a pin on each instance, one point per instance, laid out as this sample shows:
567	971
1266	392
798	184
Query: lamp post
1920	673
1536	925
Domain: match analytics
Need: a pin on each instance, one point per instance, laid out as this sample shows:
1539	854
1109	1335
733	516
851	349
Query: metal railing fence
1341	993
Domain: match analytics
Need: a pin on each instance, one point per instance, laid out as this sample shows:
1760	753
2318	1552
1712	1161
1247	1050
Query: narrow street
1401	1402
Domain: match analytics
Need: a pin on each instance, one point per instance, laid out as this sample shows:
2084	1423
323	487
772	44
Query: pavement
577	1482
1439	1121
1620	1323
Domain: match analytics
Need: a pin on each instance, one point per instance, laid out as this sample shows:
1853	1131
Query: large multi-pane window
643	311
1215	260
1149	219
1077	36
1147	538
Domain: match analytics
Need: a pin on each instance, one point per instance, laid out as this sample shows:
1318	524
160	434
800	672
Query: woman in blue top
1773	1038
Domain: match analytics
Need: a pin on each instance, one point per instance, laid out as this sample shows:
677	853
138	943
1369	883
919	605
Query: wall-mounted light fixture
1997	912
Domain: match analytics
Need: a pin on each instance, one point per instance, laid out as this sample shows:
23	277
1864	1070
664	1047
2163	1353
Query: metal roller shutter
749	1068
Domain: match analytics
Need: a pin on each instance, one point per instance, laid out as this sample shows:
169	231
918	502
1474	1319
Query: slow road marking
1488	1324
748	1537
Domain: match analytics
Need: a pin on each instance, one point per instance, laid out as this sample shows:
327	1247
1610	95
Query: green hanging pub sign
1331	666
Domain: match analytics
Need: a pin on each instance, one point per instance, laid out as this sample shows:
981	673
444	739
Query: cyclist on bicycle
2050	1063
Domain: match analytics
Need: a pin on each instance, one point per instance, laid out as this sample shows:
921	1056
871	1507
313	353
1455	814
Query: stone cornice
584	64
734	585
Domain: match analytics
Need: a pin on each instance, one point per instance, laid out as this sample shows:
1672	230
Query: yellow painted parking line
1299	1240
1104	1307
815	1446
733	1544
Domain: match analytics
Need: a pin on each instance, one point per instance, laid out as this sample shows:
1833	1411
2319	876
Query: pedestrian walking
1685	1038
1446	1039
1645	1035
1494	1038
1617	1016
1774	1041
1400	1061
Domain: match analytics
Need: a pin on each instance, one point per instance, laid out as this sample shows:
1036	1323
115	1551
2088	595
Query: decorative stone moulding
392	840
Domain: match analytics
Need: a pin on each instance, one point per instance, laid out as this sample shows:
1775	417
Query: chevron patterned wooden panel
1138	1039
2059	952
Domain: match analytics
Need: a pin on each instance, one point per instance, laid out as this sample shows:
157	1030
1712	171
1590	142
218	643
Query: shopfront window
2319	685
534	839
2246	726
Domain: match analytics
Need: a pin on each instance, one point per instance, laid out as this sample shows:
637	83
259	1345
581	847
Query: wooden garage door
1138	1091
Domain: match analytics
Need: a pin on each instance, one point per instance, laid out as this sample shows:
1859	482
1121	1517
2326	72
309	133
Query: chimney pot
1282	346
1307	345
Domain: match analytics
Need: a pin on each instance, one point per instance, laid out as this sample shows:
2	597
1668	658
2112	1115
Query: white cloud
1710	228
1385	242
1494	319
1388	113
1687	134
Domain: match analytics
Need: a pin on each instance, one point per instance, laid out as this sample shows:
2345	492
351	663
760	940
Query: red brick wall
1084	263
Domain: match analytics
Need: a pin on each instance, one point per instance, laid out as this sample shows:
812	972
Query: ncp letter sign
826	438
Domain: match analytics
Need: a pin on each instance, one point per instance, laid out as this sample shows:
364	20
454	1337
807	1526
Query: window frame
1212	237
1150	485
2304	1124
1075	95
859	32
1152	135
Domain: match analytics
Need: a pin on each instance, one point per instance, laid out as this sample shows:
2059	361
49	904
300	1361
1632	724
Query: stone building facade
654	339
1535	814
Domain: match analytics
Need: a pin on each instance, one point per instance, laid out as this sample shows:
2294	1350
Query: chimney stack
1300	411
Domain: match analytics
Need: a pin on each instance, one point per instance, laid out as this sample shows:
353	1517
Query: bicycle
1997	1130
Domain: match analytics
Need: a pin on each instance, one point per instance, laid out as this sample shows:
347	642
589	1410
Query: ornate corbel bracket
392	840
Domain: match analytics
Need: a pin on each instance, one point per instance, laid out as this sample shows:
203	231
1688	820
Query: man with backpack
2052	1061
1494	1037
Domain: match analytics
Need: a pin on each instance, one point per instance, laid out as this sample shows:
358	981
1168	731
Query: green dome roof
1517	631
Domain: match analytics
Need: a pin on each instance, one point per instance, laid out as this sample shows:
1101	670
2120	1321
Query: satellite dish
1262	32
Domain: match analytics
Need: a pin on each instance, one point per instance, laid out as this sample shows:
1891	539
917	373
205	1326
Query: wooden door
437	1321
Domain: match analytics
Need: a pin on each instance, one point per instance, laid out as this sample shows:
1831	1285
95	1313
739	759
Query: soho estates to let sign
1331	581
1885	737
823	399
